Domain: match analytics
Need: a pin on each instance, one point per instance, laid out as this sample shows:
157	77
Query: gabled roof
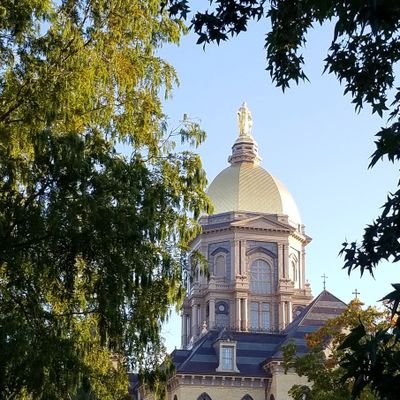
324	307
253	350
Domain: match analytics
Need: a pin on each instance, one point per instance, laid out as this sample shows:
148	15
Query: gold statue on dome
245	120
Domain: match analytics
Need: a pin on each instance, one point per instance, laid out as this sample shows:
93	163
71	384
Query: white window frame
221	347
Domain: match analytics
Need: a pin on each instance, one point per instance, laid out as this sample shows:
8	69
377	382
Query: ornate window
204	396
265	316
220	266
260	277
254	315
260	316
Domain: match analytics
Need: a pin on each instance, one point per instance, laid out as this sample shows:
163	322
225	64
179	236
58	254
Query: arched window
220	266
204	396
295	271
175	397
260	277
247	397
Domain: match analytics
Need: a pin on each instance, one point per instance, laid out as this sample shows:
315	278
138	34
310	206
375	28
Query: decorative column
238	314
188	325
281	264
286	260
235	271
303	268
242	258
194	320
290	313
244	315
183	330
283	315
211	314
199	320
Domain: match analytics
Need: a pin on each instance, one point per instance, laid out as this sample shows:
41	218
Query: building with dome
255	297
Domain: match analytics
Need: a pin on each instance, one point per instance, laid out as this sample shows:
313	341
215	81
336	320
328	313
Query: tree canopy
96	206
321	365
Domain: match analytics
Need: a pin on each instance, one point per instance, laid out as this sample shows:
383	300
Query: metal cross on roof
324	280
356	293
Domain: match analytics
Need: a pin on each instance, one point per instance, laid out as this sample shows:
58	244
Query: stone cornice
207	230
219	380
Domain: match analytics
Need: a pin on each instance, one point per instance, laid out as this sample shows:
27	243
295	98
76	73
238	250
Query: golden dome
246	186
249	187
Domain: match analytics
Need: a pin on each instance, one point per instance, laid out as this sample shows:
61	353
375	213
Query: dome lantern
245	185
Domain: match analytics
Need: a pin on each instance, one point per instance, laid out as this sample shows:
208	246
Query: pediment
262	223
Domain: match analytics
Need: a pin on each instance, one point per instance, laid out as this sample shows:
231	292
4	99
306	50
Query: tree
321	365
372	358
96	207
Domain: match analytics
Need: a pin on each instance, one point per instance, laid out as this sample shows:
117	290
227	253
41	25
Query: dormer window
226	351
227	357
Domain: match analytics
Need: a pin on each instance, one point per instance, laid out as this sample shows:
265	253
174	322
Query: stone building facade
255	247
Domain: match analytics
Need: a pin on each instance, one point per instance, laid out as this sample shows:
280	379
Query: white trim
219	347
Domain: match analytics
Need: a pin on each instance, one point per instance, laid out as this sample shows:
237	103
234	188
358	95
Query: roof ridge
300	319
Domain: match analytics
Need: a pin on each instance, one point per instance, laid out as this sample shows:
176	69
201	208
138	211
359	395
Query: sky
309	137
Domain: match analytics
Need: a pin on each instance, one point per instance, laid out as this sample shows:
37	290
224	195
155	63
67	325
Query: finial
245	149
245	120
324	280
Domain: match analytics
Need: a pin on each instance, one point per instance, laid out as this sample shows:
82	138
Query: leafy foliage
372	359
96	207
321	365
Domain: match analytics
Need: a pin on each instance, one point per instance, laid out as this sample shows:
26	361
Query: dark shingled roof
254	349
251	351
325	306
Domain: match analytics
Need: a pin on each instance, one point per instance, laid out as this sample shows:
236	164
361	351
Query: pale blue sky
309	138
